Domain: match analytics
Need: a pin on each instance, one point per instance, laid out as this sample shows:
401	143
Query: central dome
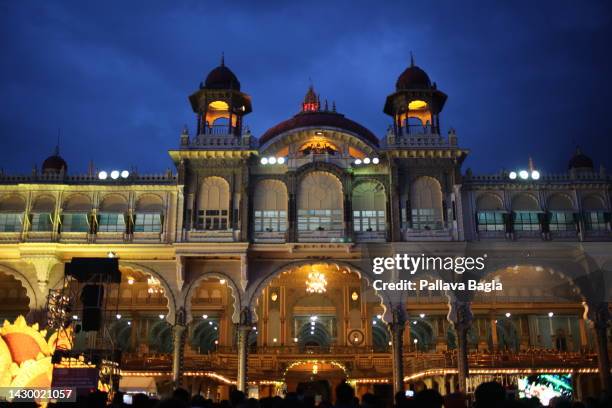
323	119
222	78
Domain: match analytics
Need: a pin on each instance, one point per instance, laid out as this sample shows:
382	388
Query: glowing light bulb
535	175
102	175
358	162
376	160
366	160
264	160
524	174
114	174
125	174
280	160
272	160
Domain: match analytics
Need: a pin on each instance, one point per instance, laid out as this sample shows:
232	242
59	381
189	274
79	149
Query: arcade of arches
315	323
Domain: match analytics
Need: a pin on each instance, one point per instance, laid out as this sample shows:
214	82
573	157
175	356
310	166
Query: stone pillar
244	328
460	315
397	327
600	316
494	338
178	351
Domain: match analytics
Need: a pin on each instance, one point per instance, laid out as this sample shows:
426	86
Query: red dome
54	164
221	78
319	119
413	78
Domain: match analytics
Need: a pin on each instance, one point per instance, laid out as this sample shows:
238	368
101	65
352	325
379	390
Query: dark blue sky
523	78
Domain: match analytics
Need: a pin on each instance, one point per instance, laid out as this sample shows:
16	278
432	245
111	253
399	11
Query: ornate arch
188	293
254	291
324	167
172	305
30	291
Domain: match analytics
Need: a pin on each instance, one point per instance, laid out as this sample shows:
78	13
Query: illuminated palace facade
250	265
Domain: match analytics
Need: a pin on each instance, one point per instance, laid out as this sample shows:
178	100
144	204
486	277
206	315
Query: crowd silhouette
486	395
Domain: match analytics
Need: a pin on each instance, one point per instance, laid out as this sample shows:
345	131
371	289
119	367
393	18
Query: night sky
523	78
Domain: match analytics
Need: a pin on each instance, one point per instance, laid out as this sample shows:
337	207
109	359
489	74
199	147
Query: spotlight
358	161
272	160
216	328
280	160
254	327
161	316
512	175
130	281
264	160
295	339
102	175
379	317
114	174
524	174
129	323
111	254
508	314
535	175
550	314
125	174
416	341
75	317
210	323
274	340
366	160
422	315
373	321
118	316
222	281
313	318
204	316
376	160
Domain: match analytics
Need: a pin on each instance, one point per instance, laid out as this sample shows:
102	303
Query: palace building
250	264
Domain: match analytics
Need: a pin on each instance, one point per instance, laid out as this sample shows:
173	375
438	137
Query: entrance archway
316	378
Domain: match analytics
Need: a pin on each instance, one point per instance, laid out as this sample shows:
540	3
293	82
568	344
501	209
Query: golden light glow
354	296
218	105
316	283
274	296
417	105
315	368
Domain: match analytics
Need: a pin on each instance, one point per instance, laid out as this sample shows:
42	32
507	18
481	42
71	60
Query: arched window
111	217
42	213
369	204
148	214
526	213
320	203
75	216
490	213
561	213
426	204
380	336
213	204
205	335
11	213
593	209
270	205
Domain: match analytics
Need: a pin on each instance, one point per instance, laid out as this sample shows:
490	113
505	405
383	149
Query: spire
311	101
530	164
57	146
411	59
222	58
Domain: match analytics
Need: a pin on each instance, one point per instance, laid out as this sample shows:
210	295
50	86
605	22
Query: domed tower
581	162
54	164
219	104
416	103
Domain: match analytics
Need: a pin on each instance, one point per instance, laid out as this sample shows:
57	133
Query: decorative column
460	315
178	347
397	327
244	328
600	316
